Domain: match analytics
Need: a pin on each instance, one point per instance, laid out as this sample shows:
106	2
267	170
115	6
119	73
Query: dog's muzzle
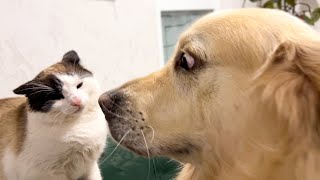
110	102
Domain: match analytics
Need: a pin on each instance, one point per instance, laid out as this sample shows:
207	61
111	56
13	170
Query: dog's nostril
110	101
105	102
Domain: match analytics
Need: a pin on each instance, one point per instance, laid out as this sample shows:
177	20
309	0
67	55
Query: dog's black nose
105	102
110	102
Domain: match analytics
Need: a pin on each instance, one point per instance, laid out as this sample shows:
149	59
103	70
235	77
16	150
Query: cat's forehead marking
64	68
58	68
68	78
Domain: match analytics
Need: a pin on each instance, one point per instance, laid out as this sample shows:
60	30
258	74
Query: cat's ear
29	88
71	57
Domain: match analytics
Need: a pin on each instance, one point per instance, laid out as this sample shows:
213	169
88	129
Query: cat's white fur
70	90
65	145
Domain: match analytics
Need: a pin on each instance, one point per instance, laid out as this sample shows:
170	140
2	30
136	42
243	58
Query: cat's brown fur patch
13	121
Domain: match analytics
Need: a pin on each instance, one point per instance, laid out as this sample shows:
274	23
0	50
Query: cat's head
65	87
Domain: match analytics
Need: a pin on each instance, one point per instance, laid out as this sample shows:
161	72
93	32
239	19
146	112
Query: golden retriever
238	100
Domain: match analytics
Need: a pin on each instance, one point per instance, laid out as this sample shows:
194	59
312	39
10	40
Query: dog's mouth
142	143
138	139
127	127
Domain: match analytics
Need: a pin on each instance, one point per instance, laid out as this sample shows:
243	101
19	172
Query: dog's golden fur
250	112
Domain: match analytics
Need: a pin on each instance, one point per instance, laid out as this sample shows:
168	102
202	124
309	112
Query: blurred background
118	40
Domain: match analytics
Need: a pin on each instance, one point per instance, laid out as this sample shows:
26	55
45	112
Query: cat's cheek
58	105
84	97
91	86
65	108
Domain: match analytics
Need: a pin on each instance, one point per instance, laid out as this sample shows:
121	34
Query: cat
57	131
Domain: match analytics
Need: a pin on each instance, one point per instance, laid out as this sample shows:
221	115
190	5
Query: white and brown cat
58	131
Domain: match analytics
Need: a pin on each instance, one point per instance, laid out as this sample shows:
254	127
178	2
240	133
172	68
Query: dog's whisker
114	114
144	138
125	111
112	152
152	133
154	169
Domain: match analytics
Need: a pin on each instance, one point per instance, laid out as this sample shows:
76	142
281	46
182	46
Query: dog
239	99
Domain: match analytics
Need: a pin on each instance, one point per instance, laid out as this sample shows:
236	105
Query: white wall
117	40
234	4
176	5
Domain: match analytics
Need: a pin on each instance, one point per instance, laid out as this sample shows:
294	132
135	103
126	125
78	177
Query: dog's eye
186	61
79	85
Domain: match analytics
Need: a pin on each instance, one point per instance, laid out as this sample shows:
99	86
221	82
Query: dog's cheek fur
290	82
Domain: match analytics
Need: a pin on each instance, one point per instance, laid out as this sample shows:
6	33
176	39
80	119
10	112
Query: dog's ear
290	82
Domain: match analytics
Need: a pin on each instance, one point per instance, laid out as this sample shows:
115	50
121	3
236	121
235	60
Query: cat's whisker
40	86
40	91
144	138
37	88
57	118
48	94
115	147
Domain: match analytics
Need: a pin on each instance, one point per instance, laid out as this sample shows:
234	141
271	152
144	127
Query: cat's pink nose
76	101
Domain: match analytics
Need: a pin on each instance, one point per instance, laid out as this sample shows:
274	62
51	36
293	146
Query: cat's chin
74	111
79	110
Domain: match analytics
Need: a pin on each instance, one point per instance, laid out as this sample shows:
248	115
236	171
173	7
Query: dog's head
229	70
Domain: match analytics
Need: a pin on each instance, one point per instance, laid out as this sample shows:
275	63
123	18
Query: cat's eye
79	85
186	61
